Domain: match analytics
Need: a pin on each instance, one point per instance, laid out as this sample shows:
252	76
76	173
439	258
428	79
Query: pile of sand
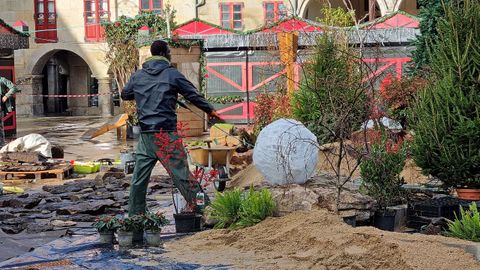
249	176
319	240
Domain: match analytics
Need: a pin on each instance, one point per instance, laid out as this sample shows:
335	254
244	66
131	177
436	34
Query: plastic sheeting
286	152
29	143
83	251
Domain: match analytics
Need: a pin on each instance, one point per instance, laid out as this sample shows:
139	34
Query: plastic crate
86	168
442	207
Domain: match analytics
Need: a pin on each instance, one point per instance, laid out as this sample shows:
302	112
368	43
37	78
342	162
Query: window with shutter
96	12
45	21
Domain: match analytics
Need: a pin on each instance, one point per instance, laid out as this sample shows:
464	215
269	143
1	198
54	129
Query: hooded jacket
4	83
155	89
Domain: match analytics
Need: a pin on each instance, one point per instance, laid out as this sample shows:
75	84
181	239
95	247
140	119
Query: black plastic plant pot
350	220
385	220
187	222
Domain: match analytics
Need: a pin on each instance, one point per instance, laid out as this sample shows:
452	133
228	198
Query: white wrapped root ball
286	152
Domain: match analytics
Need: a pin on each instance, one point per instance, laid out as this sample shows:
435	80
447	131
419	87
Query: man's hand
215	115
4	99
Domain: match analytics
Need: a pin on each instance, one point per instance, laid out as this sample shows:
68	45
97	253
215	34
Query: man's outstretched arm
188	90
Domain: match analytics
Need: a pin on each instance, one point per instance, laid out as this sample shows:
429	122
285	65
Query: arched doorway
66	82
311	9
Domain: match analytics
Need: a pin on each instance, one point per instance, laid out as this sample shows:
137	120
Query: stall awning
198	27
397	19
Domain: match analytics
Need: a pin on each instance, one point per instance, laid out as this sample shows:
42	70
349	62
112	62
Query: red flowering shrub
398	95
170	145
270	107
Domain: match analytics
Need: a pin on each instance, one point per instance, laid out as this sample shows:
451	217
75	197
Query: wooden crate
195	125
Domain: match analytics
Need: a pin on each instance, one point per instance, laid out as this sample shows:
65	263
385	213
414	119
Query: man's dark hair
159	47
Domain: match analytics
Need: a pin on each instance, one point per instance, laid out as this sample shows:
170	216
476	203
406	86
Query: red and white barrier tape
68	96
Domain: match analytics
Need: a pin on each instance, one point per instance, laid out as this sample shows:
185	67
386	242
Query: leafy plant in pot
152	224
380	171
187	220
133	129
106	227
127	227
445	118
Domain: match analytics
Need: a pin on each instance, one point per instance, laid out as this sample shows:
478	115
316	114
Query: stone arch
76	70
385	6
40	57
310	9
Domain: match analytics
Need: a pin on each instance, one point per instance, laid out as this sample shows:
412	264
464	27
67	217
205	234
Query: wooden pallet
55	174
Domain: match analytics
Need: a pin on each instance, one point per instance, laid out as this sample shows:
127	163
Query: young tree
446	117
332	102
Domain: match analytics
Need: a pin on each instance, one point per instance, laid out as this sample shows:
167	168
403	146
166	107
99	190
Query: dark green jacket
4	83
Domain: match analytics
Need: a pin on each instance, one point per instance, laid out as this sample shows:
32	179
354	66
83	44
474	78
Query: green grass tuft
233	209
468	226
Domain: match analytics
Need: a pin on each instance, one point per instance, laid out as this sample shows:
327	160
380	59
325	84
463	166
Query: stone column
52	82
28	102
388	6
105	98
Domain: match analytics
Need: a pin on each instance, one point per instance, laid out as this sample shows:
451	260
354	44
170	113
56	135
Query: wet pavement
66	132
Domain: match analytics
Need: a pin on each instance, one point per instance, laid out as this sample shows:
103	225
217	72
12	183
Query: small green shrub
225	208
256	206
380	171
233	209
468	226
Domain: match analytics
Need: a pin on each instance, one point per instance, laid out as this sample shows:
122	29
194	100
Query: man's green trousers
171	153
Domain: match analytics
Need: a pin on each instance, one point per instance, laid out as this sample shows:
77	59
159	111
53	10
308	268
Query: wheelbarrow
210	157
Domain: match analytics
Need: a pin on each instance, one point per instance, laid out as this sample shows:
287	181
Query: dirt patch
319	240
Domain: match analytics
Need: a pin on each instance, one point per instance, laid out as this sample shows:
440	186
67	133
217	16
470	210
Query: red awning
397	20
198	27
291	25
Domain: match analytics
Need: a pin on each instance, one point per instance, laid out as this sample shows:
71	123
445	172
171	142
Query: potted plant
133	129
380	171
106	227
187	220
446	121
152	224
127	226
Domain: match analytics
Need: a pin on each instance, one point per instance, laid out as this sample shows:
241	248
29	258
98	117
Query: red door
45	21
96	11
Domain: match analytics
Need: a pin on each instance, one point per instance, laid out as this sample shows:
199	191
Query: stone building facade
66	59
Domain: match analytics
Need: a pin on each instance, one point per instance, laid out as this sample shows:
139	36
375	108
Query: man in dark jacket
155	89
